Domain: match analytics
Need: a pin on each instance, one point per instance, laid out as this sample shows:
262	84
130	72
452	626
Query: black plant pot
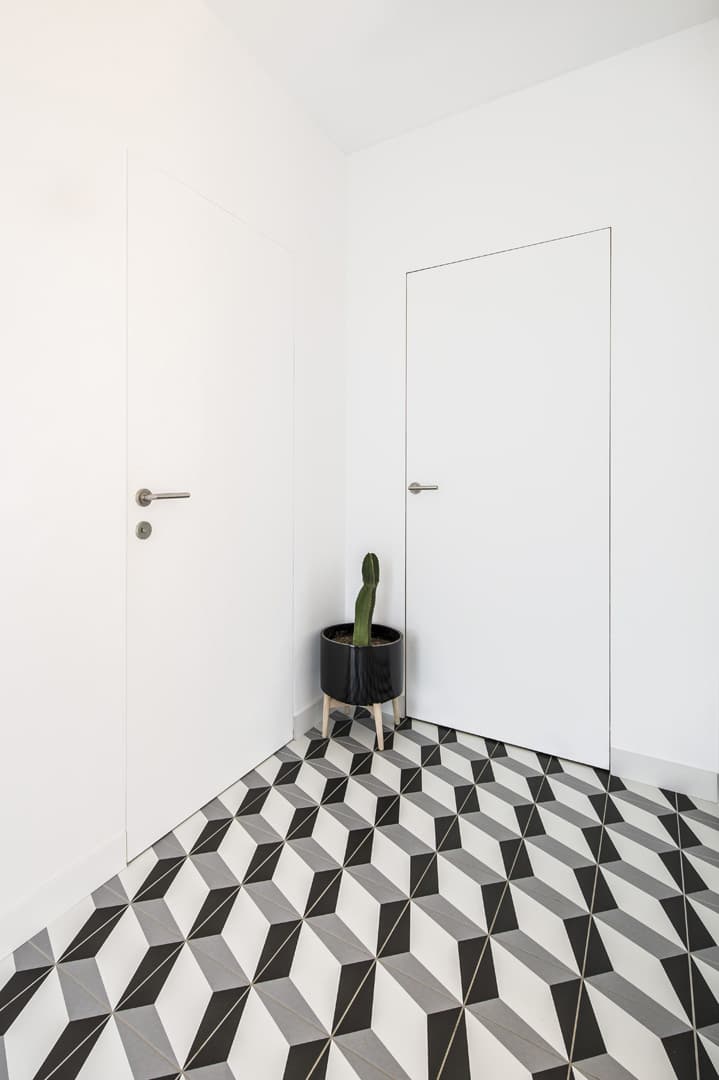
362	674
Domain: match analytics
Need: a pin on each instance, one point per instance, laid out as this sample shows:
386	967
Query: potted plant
362	664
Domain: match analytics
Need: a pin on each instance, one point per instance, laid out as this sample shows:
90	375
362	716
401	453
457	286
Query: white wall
631	143
80	81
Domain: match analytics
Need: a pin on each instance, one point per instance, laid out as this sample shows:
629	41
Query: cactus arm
364	606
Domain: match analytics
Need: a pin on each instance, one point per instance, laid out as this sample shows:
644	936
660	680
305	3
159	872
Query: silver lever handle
144	496
415	488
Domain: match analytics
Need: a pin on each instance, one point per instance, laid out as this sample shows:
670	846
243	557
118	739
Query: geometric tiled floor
450	908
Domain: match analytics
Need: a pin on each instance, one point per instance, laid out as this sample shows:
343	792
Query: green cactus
364	607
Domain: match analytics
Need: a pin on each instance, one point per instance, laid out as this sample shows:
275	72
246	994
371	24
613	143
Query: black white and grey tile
452	908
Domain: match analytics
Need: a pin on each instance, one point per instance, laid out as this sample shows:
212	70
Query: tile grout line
101	1023
679	848
119	1019
405	906
434	758
51	960
180	944
492	755
485	946
139	896
685	900
224	1017
325	1050
172	956
373	1064
401	914
377	956
583	969
67	957
307	915
127	903
111	1013
186	941
286	940
50	965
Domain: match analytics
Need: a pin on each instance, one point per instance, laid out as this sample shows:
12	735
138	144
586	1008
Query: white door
210	413
508	560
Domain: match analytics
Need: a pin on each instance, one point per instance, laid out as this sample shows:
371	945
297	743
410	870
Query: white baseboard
690	780
309	717
60	893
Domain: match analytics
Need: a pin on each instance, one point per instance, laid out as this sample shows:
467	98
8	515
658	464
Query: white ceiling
366	70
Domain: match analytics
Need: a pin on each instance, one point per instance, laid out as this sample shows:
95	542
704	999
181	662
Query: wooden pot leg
377	710
395	710
326	706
